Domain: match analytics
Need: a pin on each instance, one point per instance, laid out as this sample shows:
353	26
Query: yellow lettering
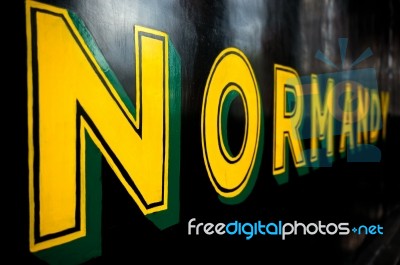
362	114
385	111
375	116
231	76
347	121
287	122
70	95
321	119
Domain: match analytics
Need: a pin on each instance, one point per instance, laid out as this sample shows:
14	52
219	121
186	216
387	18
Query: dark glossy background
268	32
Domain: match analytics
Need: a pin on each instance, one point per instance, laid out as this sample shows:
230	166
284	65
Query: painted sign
81	115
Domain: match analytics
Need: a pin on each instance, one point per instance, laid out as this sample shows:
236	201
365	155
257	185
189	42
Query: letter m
77	113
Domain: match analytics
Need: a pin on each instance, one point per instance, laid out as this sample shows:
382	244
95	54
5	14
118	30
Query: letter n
78	112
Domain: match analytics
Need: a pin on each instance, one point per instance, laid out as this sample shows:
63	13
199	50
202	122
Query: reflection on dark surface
321	32
268	32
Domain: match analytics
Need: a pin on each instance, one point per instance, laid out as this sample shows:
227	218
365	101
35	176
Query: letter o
231	76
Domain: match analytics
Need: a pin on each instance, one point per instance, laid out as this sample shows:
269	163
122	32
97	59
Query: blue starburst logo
343	48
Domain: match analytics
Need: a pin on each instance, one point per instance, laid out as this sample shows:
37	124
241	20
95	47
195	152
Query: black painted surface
268	32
